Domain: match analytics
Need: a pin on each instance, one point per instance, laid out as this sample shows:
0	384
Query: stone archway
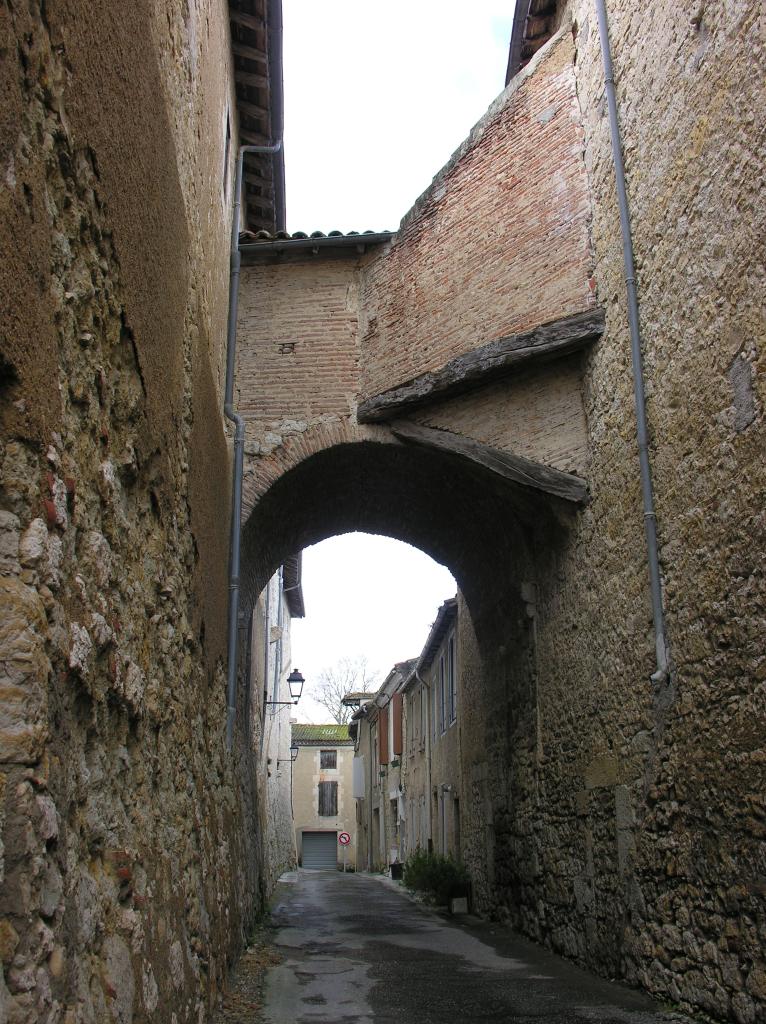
491	533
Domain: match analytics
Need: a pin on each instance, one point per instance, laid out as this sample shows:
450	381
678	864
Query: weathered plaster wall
266	672
129	867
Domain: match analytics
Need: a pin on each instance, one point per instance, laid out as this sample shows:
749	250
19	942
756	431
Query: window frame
330	787
328	767
451	680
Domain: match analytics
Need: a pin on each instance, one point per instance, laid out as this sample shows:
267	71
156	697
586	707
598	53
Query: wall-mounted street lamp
295	681
293	755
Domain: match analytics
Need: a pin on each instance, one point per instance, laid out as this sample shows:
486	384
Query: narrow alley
250	305
357	950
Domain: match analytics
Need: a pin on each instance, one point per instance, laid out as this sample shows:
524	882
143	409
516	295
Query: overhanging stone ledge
481	365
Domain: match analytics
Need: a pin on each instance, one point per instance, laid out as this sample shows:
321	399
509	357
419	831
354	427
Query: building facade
268	711
439	668
322	796
377	729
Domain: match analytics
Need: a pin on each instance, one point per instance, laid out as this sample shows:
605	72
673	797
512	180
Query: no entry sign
344	838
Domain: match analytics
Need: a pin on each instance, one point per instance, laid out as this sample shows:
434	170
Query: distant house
323	805
438	669
407	777
378	731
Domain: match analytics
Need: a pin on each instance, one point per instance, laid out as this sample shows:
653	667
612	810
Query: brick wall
497	244
297	342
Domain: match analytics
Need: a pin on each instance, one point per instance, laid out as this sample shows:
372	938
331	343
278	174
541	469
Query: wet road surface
357	951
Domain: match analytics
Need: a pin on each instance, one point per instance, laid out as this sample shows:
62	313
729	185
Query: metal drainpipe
239	442
650	522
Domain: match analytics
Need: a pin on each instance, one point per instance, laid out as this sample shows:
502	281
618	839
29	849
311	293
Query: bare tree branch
334	682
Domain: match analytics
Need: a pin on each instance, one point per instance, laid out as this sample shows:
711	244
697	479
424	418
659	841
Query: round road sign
344	839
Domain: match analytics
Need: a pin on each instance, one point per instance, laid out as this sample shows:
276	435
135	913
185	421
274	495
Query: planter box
458	905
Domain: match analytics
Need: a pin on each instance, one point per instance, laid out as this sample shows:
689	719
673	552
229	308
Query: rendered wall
306	778
269	730
129	840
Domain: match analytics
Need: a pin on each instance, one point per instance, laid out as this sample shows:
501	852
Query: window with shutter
328	799
328	758
442	697
452	683
397	747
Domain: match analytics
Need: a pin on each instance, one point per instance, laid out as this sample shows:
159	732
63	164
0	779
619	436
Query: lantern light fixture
295	681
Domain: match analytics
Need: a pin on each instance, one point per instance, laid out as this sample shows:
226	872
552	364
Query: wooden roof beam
249	52
514	468
253	109
262	202
253	138
251	79
485	363
264	183
252	21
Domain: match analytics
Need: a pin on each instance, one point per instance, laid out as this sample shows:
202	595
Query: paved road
357	951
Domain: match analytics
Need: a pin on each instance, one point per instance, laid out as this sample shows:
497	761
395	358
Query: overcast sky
378	95
377	98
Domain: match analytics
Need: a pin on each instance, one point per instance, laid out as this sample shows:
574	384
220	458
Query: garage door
320	850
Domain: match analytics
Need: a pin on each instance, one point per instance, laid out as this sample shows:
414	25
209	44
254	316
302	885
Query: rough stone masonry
129	859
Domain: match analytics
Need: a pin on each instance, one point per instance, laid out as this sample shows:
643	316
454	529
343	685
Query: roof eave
256	40
444	619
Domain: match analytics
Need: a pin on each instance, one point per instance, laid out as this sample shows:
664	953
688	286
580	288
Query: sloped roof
356	697
266	246
534	22
314	735
444	619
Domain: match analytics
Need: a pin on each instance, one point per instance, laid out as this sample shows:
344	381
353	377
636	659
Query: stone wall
129	845
627	820
681	770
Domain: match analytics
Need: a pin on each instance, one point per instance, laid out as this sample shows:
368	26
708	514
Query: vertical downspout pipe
650	521
239	443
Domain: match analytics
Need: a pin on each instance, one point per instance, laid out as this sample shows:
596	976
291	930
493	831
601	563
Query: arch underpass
483	527
490	533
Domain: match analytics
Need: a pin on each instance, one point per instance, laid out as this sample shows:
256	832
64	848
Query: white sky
367	596
378	95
